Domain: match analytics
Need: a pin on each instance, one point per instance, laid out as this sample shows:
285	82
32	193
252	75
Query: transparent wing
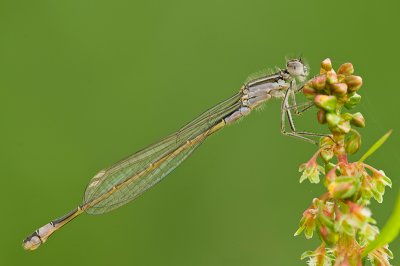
168	153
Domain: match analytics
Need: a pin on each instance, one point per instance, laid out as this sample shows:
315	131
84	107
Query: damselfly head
297	68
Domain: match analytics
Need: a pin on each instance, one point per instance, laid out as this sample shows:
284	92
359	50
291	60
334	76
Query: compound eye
296	68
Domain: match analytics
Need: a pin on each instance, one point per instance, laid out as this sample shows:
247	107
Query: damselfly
131	177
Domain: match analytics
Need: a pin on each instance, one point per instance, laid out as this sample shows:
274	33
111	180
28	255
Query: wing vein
129	178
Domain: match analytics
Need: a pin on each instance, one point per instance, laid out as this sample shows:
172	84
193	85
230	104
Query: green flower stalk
341	217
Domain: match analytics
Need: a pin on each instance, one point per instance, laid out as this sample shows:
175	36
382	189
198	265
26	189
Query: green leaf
376	146
389	231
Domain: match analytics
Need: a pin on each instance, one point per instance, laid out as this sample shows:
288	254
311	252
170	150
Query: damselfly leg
286	113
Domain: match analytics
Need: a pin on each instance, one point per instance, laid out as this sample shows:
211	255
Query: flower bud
347	116
331	77
330	174
354	83
333	119
330	170
340	78
326	65
337	123
328	103
355	217
327	155
309	92
326	142
344	187
343	127
339	88
359	212
353	100
353	143
329	236
319	82
347	229
358	120
346	69
321	116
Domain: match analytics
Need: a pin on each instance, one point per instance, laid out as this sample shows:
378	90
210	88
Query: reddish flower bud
346	69
354	217
319	82
354	83
309	92
359	213
331	175
331	77
339	88
327	235
358	120
343	187
321	116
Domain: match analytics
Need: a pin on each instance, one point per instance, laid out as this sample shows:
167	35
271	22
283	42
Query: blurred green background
85	83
